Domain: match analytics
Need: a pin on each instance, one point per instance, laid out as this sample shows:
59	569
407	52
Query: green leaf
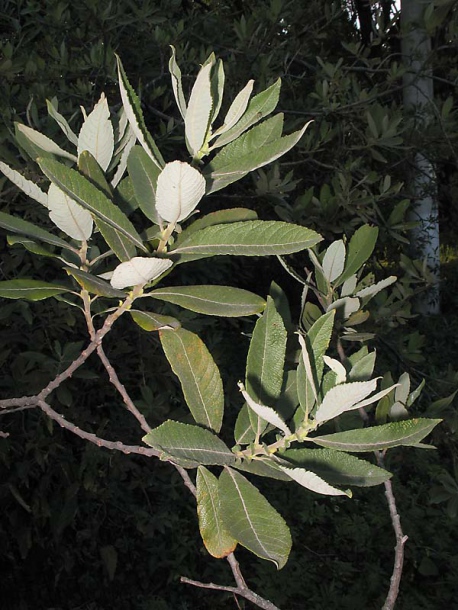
249	238
152	321
396	434
360	248
23	227
212	300
337	467
217	540
89	166
259	107
265	361
31	246
41	143
144	174
32	290
237	168
334	260
94	284
216	218
134	115
264	467
189	446
96	135
91	198
177	87
198	374
251	520
217	80
27	186
243	431
316	343
197	120
248	143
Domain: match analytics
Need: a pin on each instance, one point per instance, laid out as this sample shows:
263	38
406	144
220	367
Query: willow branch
241	591
68	372
401	539
93	438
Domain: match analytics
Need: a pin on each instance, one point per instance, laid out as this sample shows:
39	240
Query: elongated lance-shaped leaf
177	87
263	467
94	284
359	249
91	198
310	480
259	107
215	218
27	186
265	361
370	291
251	520
32	290
395	434
334	260
248	143
61	121
340	402
69	216
189	446
265	413
41	142
238	168
249	238
96	134
217	79
337	467
144	174
236	109
212	300
122	247
198	374
121	163
243	430
89	166
198	113
32	246
134	114
23	227
151	321
316	343
217	540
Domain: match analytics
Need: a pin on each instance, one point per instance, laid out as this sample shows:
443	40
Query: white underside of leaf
179	189
27	186
69	216
266	413
138	270
44	142
96	134
312	481
344	397
337	367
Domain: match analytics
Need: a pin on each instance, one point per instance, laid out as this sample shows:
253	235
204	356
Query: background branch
401	539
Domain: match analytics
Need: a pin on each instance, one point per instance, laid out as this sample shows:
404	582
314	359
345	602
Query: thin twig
114	380
401	539
251	596
92	438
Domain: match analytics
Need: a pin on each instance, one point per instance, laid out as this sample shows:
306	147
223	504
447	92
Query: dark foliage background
81	528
